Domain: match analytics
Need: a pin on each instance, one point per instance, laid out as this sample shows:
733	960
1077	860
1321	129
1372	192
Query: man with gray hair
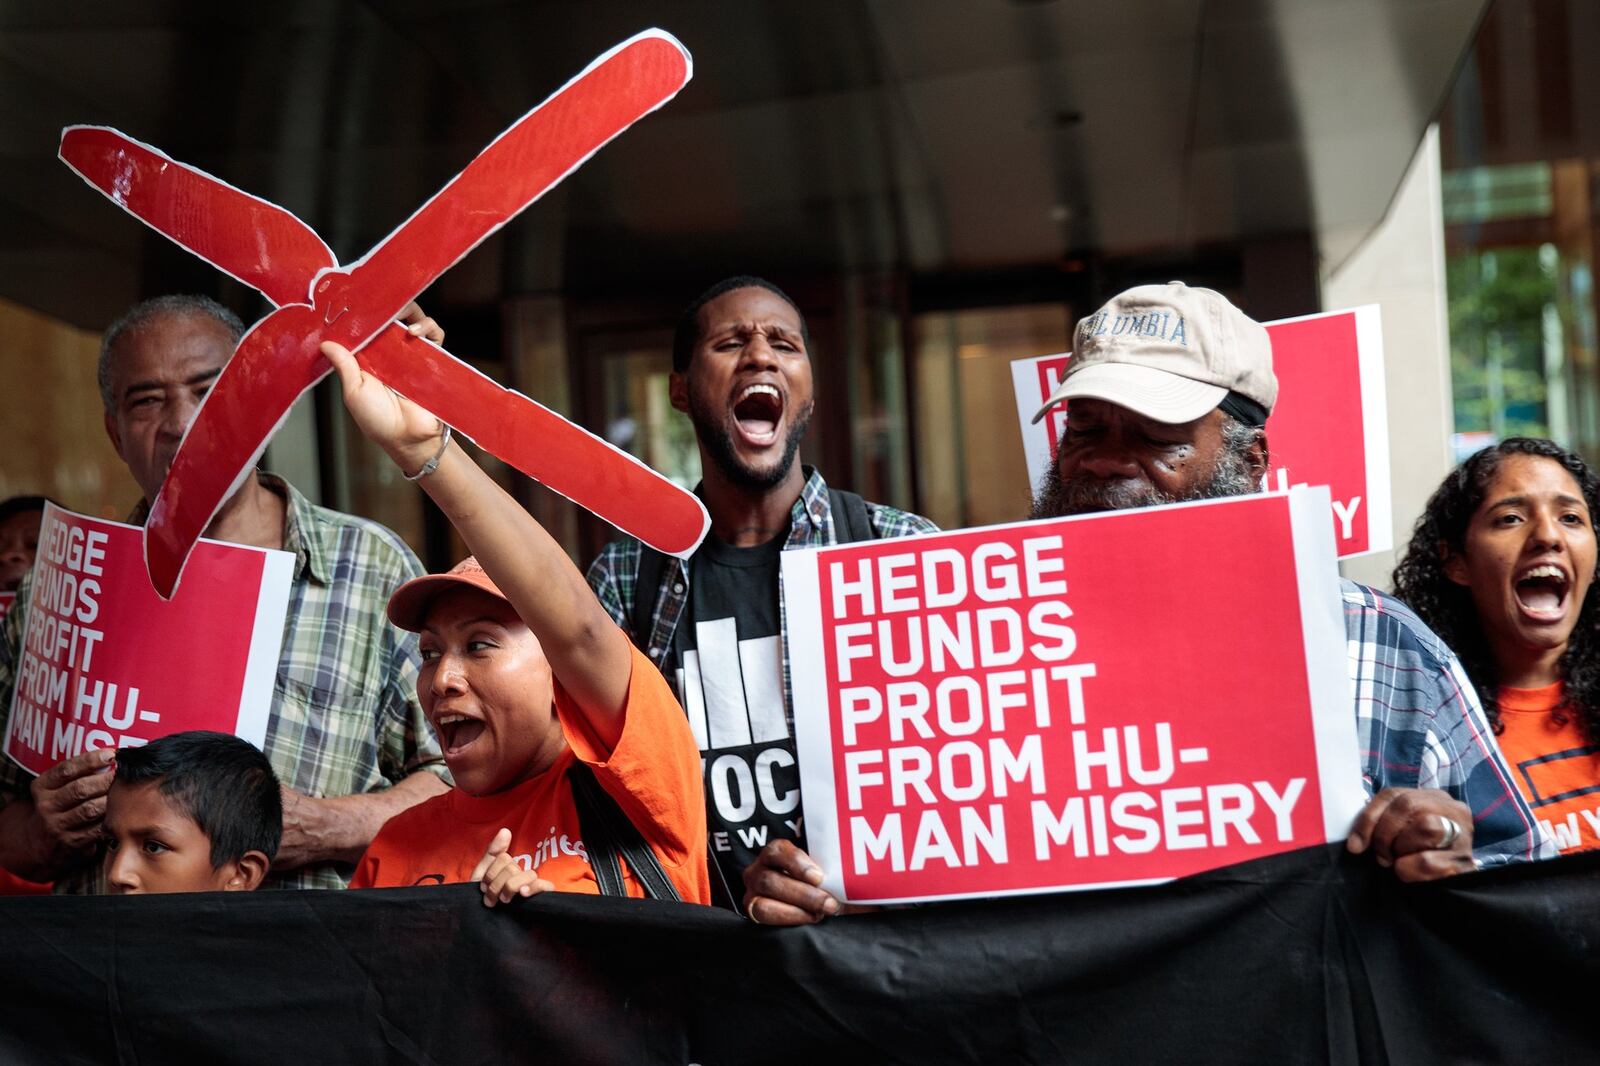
1170	388
345	733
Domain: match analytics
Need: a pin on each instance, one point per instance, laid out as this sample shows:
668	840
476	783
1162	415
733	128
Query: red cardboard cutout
1086	702
278	360
105	663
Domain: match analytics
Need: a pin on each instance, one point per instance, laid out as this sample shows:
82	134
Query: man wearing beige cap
1173	386
1170	388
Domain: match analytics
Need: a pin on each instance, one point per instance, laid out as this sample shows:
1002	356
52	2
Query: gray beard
1058	499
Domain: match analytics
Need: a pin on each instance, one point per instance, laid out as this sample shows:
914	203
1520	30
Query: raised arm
588	654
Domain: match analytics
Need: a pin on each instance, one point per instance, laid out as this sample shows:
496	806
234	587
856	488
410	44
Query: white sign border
813	720
1333	728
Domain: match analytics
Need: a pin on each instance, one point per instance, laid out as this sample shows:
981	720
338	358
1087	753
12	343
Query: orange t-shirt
1557	769
653	774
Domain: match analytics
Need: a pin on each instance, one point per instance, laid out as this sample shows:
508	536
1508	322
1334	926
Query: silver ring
750	911
1451	831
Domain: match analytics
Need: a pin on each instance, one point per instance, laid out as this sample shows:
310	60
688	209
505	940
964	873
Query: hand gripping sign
105	663
1088	702
265	247
1330	426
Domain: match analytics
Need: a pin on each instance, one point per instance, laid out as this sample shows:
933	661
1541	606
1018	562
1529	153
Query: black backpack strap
646	590
608	835
722	894
851	523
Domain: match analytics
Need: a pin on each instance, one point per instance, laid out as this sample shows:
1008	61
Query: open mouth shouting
1542	592
758	414
458	732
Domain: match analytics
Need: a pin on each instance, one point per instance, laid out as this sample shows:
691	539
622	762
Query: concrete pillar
1400	266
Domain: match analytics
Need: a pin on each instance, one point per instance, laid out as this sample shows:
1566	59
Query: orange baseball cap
408	607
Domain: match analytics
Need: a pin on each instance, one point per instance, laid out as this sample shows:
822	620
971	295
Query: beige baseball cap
1170	353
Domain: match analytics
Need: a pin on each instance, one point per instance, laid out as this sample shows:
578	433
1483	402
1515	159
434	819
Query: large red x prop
268	248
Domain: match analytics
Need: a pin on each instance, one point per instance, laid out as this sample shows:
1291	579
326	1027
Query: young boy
191	812
544	708
19	538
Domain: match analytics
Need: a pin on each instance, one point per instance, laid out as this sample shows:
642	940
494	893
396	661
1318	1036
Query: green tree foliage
1497	301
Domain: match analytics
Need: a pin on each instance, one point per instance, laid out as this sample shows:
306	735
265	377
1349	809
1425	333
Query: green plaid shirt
614	575
345	718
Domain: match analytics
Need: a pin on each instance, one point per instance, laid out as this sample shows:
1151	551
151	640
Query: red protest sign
279	359
1330	425
1087	702
106	662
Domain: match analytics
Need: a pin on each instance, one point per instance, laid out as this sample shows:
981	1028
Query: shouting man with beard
713	625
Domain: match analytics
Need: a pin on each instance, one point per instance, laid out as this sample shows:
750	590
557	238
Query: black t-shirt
729	659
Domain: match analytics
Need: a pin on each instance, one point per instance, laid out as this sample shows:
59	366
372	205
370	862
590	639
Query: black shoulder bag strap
646	590
851	523
608	835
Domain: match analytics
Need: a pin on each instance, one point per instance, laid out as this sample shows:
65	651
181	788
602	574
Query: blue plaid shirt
1419	725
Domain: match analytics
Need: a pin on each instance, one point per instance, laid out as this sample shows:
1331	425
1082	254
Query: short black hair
687	333
140	313
23	504
225	784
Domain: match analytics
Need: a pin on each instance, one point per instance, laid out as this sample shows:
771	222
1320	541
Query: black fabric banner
1312	957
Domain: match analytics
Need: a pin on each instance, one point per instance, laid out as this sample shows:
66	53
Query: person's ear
678	390
1258	458
115	435
247	872
1455	567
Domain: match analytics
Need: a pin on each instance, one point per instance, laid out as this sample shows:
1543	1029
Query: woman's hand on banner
783	887
502	878
1422	832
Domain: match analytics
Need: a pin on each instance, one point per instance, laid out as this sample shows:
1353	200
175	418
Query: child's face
19	540
152	845
485	686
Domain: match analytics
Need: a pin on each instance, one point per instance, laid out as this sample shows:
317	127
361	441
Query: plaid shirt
614	574
345	718
1419	725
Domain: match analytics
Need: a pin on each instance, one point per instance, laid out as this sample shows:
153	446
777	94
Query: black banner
1312	957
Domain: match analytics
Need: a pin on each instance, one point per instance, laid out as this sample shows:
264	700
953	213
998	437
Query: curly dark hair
1420	580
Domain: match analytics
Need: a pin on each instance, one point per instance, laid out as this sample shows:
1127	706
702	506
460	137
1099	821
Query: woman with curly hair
1501	565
